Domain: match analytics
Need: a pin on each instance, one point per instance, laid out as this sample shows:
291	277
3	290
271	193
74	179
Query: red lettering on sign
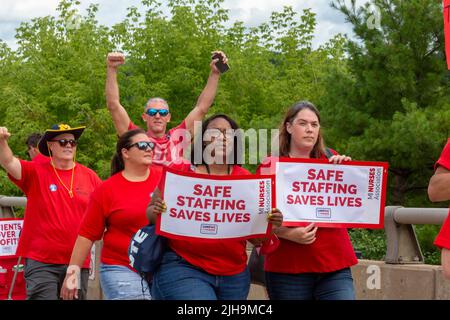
327	175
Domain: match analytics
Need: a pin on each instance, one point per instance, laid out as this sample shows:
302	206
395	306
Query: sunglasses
143	145
65	142
152	112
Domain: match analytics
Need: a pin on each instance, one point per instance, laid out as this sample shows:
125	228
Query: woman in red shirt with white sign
115	212
438	190
310	262
198	269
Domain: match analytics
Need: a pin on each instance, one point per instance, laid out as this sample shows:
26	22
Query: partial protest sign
9	236
351	194
215	207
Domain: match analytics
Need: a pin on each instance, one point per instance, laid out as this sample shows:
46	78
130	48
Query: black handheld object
223	67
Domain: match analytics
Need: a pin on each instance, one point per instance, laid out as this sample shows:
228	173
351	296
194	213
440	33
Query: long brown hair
285	137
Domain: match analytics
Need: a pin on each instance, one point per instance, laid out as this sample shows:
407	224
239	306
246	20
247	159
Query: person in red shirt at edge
32	148
169	146
206	270
58	192
310	262
439	190
115	212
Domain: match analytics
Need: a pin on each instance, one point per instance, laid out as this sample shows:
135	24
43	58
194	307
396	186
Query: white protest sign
215	207
9	236
351	194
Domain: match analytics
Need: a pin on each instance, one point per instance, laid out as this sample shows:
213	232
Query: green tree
391	101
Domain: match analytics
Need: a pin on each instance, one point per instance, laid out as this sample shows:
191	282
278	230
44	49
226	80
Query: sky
251	12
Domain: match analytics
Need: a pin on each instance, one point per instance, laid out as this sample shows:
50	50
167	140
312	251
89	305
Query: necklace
70	191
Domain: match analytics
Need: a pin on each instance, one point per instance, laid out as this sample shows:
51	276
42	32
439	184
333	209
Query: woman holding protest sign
310	262
115	212
200	269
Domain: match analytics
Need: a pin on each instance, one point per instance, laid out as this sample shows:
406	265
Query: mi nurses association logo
53	187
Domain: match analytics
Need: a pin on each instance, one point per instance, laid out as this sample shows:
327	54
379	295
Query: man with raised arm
58	192
168	144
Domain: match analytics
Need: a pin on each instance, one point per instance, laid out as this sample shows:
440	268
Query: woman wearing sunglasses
115	212
58	193
310	263
205	270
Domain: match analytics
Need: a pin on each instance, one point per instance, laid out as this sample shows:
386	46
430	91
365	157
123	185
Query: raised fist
115	59
4	134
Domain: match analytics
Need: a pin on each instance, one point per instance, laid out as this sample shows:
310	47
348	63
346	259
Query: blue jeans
336	285
177	279
121	283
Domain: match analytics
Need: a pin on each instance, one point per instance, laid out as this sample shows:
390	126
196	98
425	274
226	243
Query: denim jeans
336	285
121	283
177	279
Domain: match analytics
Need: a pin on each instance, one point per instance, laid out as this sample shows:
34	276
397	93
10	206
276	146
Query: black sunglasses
143	145
65	142
152	112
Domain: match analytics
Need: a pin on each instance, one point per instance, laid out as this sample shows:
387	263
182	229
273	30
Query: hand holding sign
304	235
275	217
159	206
156	206
339	158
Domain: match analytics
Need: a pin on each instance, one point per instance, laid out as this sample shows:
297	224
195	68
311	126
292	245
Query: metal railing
402	246
7	205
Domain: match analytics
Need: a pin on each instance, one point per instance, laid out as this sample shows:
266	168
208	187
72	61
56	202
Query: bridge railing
7	205
402	246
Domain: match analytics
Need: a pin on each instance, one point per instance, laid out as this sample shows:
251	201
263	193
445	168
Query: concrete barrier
376	280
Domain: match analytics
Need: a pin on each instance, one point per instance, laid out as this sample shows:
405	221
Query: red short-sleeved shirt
215	257
168	148
118	205
52	218
443	238
331	251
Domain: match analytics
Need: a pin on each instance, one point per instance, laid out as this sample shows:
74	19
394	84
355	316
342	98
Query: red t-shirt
168	148
222	258
52	218
331	251
443	238
118	206
40	158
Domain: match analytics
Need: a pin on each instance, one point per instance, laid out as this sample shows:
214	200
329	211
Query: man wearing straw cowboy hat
58	192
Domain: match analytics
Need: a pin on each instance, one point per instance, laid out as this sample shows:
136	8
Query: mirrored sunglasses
152	112
143	145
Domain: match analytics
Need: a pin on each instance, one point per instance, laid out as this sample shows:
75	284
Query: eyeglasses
65	142
143	145
216	133
152	112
